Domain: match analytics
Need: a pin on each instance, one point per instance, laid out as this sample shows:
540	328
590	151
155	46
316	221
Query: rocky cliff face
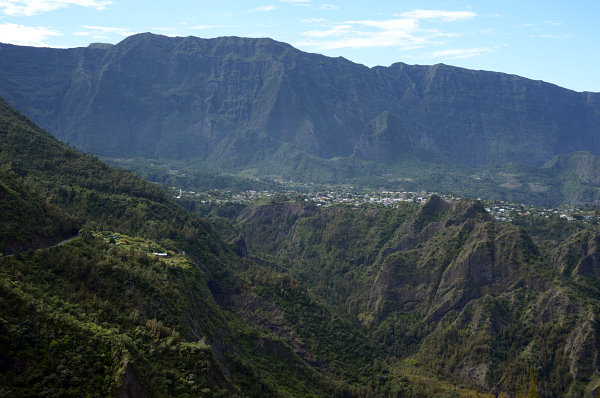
447	261
236	102
448	286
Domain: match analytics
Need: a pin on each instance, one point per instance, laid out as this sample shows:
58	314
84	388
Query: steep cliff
236	101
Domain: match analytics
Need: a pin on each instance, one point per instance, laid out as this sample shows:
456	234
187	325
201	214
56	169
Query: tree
533	385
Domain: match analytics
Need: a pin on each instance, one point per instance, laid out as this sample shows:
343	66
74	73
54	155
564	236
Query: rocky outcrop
473	255
131	387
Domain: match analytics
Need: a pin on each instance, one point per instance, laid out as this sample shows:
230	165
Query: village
501	211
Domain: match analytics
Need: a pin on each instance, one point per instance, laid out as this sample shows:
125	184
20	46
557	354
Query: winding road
62	242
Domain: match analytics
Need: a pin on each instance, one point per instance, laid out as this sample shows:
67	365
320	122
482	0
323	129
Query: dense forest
278	298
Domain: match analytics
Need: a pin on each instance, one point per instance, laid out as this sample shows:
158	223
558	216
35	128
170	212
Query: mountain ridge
280	298
235	101
448	286
129	306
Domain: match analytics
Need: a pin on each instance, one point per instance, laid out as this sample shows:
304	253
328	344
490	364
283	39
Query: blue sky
553	40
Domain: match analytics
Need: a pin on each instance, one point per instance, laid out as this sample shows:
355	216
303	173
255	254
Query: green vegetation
445	287
146	322
189	176
565	180
26	220
91	318
278	298
257	108
107	313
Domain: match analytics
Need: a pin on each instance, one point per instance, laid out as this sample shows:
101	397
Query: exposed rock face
384	139
274	348
238	102
240	247
478	254
579	255
276	220
466	295
581	164
131	387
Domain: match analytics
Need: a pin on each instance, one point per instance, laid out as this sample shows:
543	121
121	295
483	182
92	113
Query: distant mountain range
261	106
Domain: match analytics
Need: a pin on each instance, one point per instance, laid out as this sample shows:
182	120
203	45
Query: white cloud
34	7
313	20
354	35
549	36
390	25
305	3
447	16
265	8
401	33
329	7
206	27
404	32
460	53
335	31
26	35
96	30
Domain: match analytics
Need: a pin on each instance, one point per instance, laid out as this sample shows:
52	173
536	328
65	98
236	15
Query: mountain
148	300
27	221
446	286
279	298
582	164
145	300
67	310
383	139
257	104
